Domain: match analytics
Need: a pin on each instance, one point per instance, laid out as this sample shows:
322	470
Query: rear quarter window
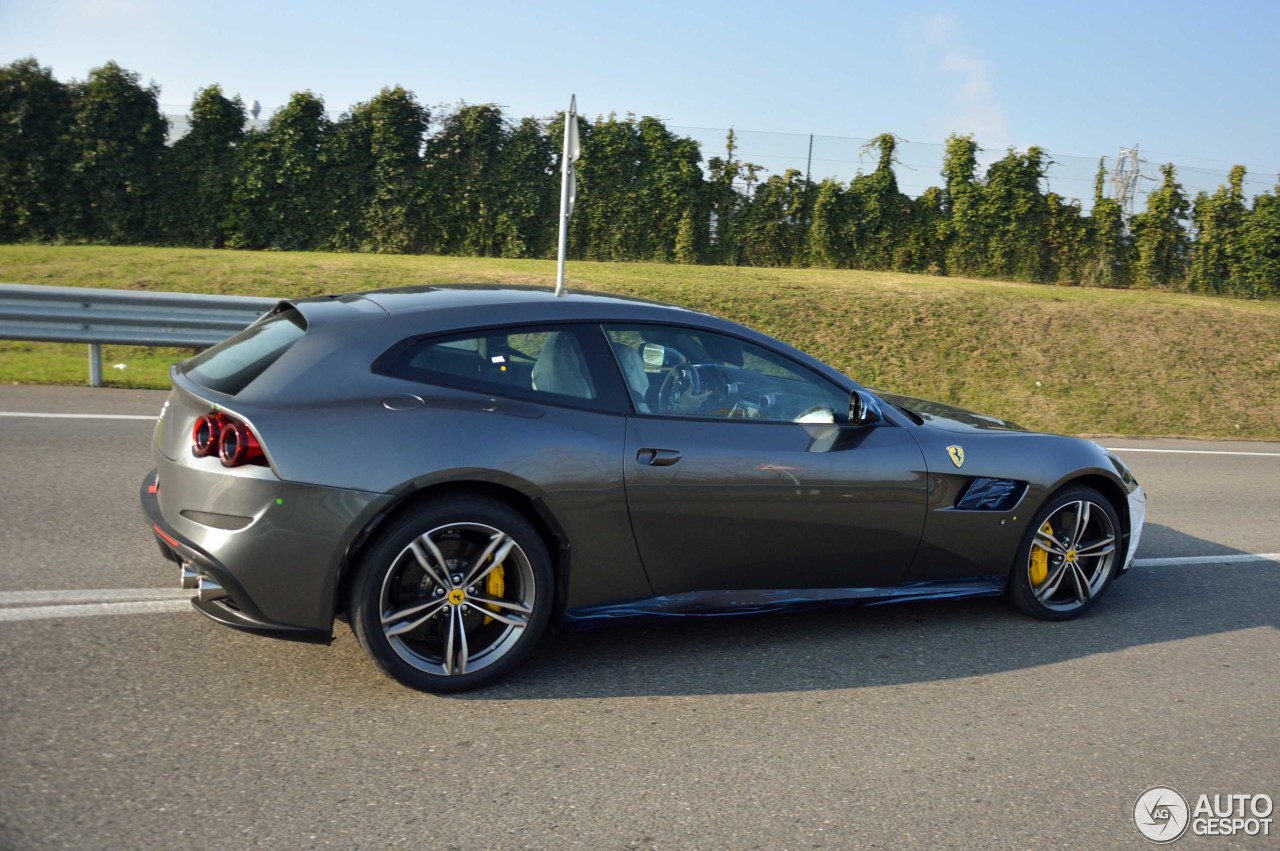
561	364
231	365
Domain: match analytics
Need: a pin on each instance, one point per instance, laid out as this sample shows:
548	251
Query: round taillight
233	448
204	437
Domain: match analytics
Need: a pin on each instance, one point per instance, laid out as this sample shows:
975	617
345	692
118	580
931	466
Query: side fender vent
991	495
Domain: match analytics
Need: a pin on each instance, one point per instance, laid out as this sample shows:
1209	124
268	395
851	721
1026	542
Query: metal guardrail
125	317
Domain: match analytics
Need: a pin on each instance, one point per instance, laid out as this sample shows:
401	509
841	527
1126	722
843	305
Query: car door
740	496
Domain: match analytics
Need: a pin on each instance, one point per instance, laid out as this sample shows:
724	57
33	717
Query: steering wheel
679	380
700	379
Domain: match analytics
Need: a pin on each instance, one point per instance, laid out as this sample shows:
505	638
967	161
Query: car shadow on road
861	646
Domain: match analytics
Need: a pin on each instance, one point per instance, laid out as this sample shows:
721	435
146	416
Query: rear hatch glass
229	366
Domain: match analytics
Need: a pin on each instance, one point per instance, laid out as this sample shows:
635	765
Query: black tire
464	635
1055	577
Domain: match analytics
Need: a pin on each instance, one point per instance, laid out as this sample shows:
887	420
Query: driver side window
687	372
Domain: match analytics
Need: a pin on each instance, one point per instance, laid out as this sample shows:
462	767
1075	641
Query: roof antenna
568	185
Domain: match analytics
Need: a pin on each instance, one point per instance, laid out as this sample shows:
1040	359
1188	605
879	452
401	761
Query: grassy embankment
1074	360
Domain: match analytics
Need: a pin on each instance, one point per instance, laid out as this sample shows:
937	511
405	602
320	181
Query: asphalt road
960	724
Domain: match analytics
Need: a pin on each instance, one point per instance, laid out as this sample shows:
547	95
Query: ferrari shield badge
957	455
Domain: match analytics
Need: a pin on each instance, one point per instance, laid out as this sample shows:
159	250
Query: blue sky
1193	82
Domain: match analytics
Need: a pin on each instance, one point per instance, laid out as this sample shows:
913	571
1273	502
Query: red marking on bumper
171	541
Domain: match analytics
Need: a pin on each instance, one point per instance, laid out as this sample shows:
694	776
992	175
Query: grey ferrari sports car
453	468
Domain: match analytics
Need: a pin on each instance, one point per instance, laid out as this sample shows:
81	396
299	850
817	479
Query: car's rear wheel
1068	556
453	596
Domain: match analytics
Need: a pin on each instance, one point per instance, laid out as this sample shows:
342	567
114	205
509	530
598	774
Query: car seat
633	371
560	368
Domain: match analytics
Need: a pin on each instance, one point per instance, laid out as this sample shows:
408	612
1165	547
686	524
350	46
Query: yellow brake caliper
495	585
1040	558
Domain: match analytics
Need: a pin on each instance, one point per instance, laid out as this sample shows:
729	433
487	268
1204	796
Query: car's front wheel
453	596
1067	557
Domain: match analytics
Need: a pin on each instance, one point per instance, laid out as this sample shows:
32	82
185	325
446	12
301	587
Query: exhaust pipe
188	576
208	590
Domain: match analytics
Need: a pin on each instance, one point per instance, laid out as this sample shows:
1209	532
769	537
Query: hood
948	417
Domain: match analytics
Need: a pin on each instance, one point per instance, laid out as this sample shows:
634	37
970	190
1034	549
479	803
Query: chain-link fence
919	163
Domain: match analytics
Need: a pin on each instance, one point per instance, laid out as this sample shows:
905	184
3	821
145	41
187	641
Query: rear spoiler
317	309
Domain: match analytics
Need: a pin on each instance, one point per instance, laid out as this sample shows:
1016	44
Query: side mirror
654	354
864	409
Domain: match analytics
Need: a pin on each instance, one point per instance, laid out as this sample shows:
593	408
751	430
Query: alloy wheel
457	599
1071	555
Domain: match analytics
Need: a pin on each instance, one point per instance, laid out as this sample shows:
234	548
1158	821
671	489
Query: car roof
438	308
398	301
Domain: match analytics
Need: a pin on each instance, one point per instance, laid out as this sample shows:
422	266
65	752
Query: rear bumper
267	553
237	609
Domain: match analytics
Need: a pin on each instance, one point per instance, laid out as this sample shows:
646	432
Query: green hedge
86	162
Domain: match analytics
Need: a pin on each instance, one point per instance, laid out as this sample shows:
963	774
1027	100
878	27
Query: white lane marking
1233	558
91	595
139	607
26	605
1193	451
78	416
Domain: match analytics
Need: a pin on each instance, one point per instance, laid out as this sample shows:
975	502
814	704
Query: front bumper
267	553
1137	516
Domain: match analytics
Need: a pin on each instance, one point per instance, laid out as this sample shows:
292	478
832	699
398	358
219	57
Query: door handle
657	457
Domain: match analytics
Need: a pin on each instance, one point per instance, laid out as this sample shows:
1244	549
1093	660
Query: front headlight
1122	470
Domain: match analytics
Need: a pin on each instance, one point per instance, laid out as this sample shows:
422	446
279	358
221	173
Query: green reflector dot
279	501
